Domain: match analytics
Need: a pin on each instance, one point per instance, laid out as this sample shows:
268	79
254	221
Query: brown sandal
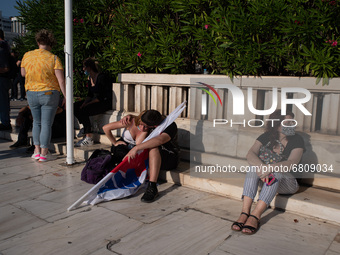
239	224
252	229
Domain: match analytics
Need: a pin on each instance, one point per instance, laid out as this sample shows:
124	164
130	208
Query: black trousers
170	158
83	114
21	80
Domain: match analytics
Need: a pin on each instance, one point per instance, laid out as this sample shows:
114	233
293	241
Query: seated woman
98	100
163	151
133	134
278	146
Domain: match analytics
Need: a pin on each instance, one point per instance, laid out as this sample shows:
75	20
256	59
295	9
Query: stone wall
223	143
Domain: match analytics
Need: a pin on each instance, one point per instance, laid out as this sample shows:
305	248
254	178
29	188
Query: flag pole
69	82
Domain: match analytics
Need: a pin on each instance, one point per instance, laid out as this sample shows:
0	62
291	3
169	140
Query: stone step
308	201
329	181
15	108
320	180
59	145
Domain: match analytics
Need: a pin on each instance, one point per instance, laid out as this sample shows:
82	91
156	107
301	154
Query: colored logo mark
204	98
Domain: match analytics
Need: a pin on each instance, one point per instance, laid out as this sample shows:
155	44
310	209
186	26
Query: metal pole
69	82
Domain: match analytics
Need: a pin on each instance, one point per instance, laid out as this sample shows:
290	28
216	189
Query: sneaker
47	157
36	156
151	193
18	144
81	133
5	127
87	141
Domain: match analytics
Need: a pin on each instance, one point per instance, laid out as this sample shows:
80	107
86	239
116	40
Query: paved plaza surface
34	218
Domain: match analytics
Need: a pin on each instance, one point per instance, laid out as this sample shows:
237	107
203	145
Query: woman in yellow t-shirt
44	75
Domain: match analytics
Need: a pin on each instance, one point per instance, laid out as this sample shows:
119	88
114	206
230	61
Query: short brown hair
45	37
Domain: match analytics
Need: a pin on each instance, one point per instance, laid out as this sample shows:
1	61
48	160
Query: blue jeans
5	84
43	106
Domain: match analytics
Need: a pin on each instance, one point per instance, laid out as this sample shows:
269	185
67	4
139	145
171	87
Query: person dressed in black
25	122
18	79
98	100
5	83
163	151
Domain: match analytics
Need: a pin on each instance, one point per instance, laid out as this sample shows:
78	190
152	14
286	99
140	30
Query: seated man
163	150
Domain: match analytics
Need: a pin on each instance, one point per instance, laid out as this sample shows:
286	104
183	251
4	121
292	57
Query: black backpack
101	162
119	152
97	166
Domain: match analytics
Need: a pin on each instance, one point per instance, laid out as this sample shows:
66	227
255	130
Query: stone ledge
234	142
264	82
59	145
308	201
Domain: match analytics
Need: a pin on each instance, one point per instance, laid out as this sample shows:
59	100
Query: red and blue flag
126	178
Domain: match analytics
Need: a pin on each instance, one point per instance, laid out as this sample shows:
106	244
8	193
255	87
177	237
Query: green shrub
234	37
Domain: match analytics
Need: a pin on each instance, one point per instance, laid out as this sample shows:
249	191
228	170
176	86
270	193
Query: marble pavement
34	219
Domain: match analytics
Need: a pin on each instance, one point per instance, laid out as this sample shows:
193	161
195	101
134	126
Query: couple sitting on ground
163	149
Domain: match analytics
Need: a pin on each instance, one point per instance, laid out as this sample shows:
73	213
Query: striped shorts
286	185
